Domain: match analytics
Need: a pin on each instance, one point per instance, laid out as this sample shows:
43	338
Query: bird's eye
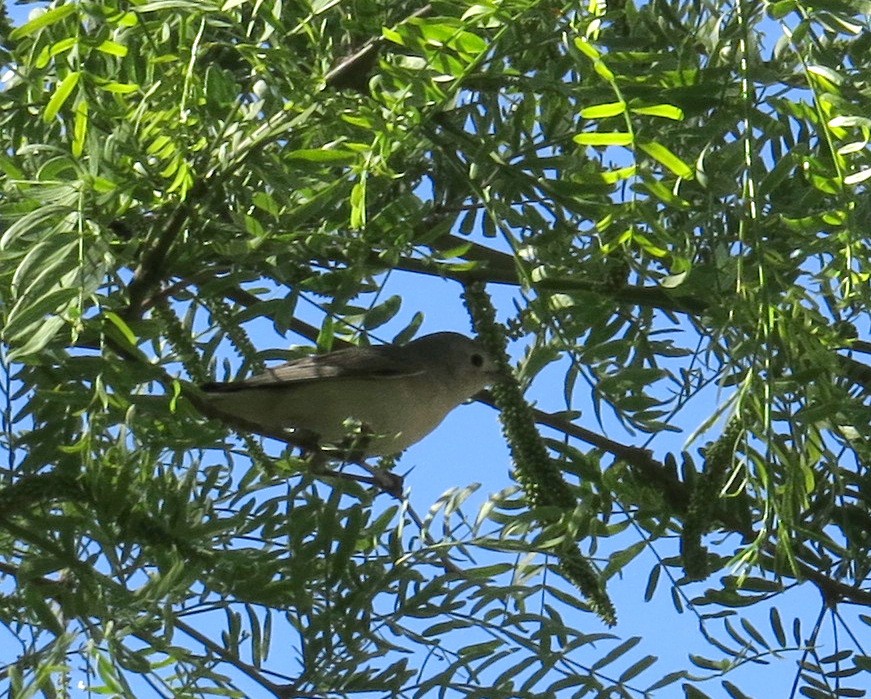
477	360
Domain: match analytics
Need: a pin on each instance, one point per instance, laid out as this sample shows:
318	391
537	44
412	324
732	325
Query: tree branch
246	669
151	267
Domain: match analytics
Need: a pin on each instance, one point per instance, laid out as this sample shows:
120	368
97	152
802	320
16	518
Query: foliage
676	192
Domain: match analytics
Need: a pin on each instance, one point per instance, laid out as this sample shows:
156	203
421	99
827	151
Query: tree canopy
674	195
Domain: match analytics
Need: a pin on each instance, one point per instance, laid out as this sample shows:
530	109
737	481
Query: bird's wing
381	362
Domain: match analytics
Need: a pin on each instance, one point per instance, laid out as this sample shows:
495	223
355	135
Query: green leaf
620	559
637	668
323	155
321	6
80	127
45	262
604	138
119	88
410	330
392	35
42	333
663	155
469	43
61	93
616	652
55	49
113	48
777	626
586	48
781	8
667	111
750	629
652	581
602	111
619	174
128	334
858	177
43	20
480	650
670	678
707	664
691	692
358	203
733	691
340	557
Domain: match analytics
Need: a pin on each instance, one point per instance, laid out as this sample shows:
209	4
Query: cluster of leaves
676	190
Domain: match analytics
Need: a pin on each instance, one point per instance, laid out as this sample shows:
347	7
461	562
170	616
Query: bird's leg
352	450
391	483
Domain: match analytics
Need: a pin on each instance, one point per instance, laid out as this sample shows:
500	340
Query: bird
395	395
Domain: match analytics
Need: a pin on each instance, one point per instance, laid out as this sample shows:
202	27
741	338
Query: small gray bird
398	394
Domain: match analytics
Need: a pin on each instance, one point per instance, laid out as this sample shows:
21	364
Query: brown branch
857	372
497	267
31	659
246	669
833	591
151	268
53	589
677	494
640	458
353	71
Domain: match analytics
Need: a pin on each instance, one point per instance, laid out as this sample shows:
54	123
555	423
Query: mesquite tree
675	197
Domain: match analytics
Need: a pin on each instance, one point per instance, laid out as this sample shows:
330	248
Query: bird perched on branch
379	399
